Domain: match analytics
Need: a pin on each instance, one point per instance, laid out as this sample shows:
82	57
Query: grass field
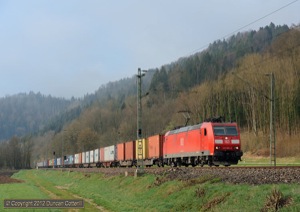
250	160
146	193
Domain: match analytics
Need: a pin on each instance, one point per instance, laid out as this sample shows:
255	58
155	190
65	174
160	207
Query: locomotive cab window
226	130
231	131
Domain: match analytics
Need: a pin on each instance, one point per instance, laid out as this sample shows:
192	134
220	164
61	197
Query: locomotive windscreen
225	130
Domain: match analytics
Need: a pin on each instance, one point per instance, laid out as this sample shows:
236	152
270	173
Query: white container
77	158
83	157
87	157
92	156
40	164
110	153
96	155
58	161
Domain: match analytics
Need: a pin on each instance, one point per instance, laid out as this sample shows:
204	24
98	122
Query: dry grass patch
215	201
275	201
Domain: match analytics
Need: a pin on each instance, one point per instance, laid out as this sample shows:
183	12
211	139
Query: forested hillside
218	59
204	84
228	78
23	113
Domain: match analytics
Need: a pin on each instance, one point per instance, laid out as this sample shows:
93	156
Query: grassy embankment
146	193
253	160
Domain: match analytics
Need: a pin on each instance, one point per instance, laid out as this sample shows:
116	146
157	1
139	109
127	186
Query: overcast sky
70	48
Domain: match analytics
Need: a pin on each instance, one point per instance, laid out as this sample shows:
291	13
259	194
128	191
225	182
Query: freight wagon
78	160
108	156
87	159
68	161
58	162
126	154
149	151
39	165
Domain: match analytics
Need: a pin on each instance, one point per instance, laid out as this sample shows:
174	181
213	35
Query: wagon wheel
161	164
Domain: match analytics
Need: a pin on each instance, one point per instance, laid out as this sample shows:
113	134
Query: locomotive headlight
235	141
217	147
236	147
218	141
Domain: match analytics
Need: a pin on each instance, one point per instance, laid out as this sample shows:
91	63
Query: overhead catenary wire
243	27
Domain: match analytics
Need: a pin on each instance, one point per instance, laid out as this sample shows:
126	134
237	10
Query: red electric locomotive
212	142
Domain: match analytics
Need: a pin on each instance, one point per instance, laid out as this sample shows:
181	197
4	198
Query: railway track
254	175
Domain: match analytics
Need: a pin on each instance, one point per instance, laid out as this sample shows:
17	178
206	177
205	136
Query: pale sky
70	48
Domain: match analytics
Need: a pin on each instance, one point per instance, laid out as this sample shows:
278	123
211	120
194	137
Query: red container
102	154
78	158
130	150
155	146
121	152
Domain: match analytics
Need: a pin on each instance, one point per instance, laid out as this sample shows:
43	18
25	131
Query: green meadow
147	193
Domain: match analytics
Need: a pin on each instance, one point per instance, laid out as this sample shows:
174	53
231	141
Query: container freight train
211	143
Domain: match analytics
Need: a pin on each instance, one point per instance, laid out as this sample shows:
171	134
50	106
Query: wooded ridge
228	78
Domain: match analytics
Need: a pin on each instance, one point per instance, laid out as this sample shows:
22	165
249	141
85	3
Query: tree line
243	97
228	78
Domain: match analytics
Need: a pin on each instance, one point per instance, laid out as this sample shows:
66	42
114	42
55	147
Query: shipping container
92	156
141	149
126	154
69	160
121	152
40	164
51	162
102	154
110	153
83	158
58	162
87	157
155	146
78	158
130	150
96	155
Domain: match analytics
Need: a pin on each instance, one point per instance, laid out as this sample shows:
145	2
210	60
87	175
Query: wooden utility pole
272	120
272	113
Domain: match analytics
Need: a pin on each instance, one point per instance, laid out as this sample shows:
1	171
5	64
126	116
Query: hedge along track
236	174
61	192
